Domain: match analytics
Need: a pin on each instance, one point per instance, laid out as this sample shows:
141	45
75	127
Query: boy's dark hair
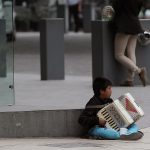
100	83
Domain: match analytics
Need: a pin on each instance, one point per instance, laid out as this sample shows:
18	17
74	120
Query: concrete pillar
88	15
103	61
3	67
52	49
62	12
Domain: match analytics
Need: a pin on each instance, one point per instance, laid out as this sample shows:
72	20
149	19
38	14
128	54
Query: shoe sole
132	137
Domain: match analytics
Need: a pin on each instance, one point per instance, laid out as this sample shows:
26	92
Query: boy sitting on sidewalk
96	127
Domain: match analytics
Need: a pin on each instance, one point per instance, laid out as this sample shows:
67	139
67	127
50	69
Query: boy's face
106	93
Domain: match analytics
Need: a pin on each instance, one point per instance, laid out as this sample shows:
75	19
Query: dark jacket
126	16
88	117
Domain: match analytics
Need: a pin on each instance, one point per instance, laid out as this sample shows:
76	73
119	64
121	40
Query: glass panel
6	53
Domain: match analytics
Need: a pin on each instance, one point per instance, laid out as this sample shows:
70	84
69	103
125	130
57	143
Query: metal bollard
52	49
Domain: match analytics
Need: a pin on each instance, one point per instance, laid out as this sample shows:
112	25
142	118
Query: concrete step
42	123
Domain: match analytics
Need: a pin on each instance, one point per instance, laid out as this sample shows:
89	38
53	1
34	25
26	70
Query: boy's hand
102	122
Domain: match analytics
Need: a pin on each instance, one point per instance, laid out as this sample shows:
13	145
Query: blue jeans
109	133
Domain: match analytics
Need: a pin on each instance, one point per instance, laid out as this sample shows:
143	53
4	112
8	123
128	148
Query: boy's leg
132	133
104	133
133	136
133	128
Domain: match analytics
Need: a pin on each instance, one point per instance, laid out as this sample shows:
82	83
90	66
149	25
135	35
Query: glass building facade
6	53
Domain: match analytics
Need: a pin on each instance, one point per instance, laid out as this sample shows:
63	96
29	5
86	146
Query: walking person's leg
131	47
76	17
121	43
70	17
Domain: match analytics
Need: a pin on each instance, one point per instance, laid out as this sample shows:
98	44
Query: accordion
121	113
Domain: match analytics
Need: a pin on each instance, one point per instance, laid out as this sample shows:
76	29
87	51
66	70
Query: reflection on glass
6	53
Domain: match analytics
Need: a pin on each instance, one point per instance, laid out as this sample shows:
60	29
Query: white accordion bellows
121	113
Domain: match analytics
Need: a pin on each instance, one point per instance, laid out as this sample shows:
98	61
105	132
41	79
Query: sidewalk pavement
75	144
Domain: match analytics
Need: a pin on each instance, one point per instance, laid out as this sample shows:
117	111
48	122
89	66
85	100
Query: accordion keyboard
110	121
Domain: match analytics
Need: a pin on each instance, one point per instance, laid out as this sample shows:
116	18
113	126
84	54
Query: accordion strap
96	106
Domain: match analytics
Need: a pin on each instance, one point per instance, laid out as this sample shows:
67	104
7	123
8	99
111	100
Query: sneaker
143	76
127	83
133	136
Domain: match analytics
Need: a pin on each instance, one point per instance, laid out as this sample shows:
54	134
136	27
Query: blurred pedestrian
75	10
127	27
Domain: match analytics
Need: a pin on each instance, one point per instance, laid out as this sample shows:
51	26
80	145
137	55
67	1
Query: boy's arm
89	118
